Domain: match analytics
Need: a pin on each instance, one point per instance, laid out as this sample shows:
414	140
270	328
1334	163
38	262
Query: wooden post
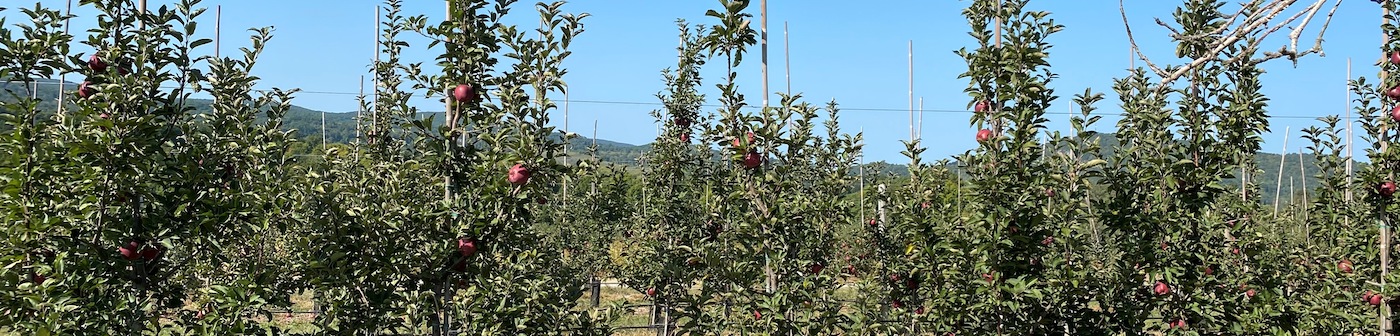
63	78
763	34
218	28
787	58
911	90
1283	157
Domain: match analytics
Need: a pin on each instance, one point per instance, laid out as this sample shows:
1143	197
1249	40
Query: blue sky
853	52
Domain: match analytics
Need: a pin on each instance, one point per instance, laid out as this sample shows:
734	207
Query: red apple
873	222
86	90
685	137
1049	192
37	279
464	93
1366	297
1386	188
894	278
752	160
96	64
924	205
466	246
682	122
757	315
982	106
851	269
1249	293
1395	57
748	135
151	252
1048	240
1393	93
1209	270
651	292
541	200
104	115
1164	246
130	251
815	268
896	304
518	174
1235	251
1376	299
1345	266
919	311
1395	113
984	135
989	277
1179	324
1161	288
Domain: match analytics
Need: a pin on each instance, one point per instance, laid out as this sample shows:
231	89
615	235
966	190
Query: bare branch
1265	17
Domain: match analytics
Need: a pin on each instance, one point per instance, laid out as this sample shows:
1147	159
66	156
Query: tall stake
1385	220
921	119
63	78
218	28
763	13
911	90
374	113
1283	158
787	58
1346	87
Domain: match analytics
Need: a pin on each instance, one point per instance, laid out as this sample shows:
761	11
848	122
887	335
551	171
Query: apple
752	160
919	311
518	174
1209	270
750	137
982	106
1395	113
757	315
466	246
685	137
1048	240
1393	93
1235	251
1377	299
1179	324
151	252
1395	57
104	115
873	223
1049	192
924	205
541	200
1386	188
37	279
896	304
851	269
682	122
86	90
1345	266
464	93
1164	246
1366	297
984	135
1249	293
815	268
989	277
651	292
130	251
1161	288
96	64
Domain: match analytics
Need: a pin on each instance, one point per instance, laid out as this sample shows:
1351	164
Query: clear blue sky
853	52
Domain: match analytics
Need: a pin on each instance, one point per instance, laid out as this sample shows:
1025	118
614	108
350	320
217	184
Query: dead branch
1266	18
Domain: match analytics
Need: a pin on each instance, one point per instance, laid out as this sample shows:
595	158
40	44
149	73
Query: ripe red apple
1235	251
151	252
1345	266
1209	270
1395	113
1393	93
1386	188
685	137
894	278
919	311
1376	299
1179	324
651	292
1395	57
1049	192
982	106
748	135
464	93
752	160
518	174
816	268
466	246
1048	240
851	269
1249	293
924	205
130	251
990	277
37	279
682	122
1164	246
86	90
873	223
96	64
1161	288
984	135
1366	297
541	200
757	315
896	304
